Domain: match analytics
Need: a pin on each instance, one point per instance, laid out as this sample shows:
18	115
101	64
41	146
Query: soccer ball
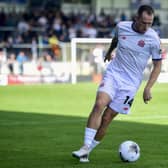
129	151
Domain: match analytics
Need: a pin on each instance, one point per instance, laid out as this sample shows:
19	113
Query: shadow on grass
32	140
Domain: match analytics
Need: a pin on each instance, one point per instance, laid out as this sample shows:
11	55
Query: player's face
144	22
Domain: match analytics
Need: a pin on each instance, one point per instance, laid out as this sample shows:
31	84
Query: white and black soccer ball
129	151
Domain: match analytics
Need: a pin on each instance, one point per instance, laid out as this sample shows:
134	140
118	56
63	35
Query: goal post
87	59
86	41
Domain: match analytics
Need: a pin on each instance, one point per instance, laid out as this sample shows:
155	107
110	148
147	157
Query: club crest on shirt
141	43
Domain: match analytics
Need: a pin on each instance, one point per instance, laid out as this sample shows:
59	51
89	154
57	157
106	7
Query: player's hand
147	95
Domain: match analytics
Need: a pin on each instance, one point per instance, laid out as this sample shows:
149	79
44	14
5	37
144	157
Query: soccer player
135	42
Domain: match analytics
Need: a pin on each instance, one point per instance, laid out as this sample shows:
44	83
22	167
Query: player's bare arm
111	48
153	77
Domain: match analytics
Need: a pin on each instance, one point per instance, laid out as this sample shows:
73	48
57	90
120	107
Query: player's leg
102	100
105	94
107	117
120	104
94	121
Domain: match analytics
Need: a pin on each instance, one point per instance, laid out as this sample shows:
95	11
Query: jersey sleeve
156	50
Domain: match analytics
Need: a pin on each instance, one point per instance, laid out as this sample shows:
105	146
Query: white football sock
93	145
89	136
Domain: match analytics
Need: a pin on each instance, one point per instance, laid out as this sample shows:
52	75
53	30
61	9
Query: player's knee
100	104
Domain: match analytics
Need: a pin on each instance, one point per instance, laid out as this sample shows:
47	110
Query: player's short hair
145	8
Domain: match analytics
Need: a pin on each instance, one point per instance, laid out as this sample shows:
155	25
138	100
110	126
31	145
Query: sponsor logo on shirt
123	37
125	108
160	51
102	84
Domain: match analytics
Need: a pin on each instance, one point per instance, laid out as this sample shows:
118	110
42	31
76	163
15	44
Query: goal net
87	56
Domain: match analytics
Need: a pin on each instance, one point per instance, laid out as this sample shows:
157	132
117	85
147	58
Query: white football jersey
133	52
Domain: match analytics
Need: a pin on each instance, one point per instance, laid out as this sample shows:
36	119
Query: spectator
2	17
43	21
10	62
54	42
90	31
123	16
21	59
45	64
23	26
2	59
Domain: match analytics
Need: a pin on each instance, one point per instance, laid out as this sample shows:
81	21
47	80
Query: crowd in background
28	26
52	26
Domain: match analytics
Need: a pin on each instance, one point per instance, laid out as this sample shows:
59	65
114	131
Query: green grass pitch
41	125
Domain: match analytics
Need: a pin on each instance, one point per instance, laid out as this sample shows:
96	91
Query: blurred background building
42	29
25	20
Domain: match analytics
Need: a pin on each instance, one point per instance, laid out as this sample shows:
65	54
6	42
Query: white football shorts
122	95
